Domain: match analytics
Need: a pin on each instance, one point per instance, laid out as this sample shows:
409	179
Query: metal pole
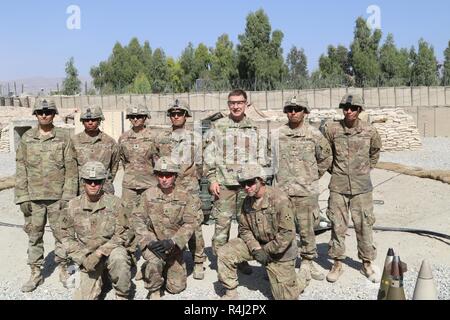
22	88
15	88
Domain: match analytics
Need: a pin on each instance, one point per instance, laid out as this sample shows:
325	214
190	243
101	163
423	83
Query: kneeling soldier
94	230
266	234
164	222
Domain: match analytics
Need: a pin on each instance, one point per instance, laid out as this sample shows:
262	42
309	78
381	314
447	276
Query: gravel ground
435	154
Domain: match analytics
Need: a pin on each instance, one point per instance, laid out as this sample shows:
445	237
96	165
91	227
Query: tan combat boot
139	275
199	271
302	279
155	295
121	297
368	272
335	271
230	294
36	279
63	274
245	268
311	270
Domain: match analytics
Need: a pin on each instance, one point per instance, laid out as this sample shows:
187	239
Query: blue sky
36	42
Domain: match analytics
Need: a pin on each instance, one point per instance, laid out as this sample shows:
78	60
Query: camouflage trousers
131	198
228	205
306	210
282	276
35	220
170	273
196	245
361	208
116	267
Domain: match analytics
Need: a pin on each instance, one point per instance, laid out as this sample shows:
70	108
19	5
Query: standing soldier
266	234
184	147
164	222
232	141
94	145
93	232
303	155
356	149
46	179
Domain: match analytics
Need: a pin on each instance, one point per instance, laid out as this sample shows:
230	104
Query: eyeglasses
248	183
353	108
295	109
177	114
93	182
236	103
139	116
46	112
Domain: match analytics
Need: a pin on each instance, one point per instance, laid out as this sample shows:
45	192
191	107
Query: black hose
416	231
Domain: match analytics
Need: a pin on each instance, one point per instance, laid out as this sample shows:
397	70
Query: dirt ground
407	202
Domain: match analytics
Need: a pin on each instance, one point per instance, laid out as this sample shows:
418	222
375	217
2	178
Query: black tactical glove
25	207
161	248
261	256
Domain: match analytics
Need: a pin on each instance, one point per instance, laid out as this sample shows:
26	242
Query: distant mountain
35	84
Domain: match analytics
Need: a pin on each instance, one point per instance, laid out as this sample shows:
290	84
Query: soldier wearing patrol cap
184	147
266	234
94	145
356	147
94	230
164	222
302	156
46	179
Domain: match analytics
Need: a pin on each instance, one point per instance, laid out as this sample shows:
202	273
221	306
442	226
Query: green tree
334	68
175	75
224	61
141	84
202	61
297	65
394	64
260	56
159	71
187	63
446	67
364	54
71	84
424	70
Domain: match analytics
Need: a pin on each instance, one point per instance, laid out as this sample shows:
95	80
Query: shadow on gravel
256	281
212	258
326	262
49	265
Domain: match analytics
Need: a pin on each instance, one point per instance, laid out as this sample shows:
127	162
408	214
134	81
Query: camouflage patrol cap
93	170
165	164
92	112
352	100
43	104
139	110
297	101
179	105
251	171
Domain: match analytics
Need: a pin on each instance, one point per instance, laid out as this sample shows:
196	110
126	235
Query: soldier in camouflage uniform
356	149
184	147
231	142
266	234
164	222
94	230
303	155
46	179
94	145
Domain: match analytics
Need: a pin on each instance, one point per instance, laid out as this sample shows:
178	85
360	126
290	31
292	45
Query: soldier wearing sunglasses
303	155
46	179
356	147
184	147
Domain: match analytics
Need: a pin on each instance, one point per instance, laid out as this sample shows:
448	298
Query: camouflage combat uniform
162	216
100	148
355	152
270	226
46	173
223	159
303	156
184	147
98	226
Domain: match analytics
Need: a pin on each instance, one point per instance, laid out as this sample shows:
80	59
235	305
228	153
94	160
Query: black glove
25	207
261	256
161	248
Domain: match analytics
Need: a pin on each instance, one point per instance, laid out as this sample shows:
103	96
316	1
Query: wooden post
267	104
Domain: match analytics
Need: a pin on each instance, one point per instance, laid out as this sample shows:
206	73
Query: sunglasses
91	120
295	109
165	174
178	114
93	182
46	112
248	183
136	117
353	108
